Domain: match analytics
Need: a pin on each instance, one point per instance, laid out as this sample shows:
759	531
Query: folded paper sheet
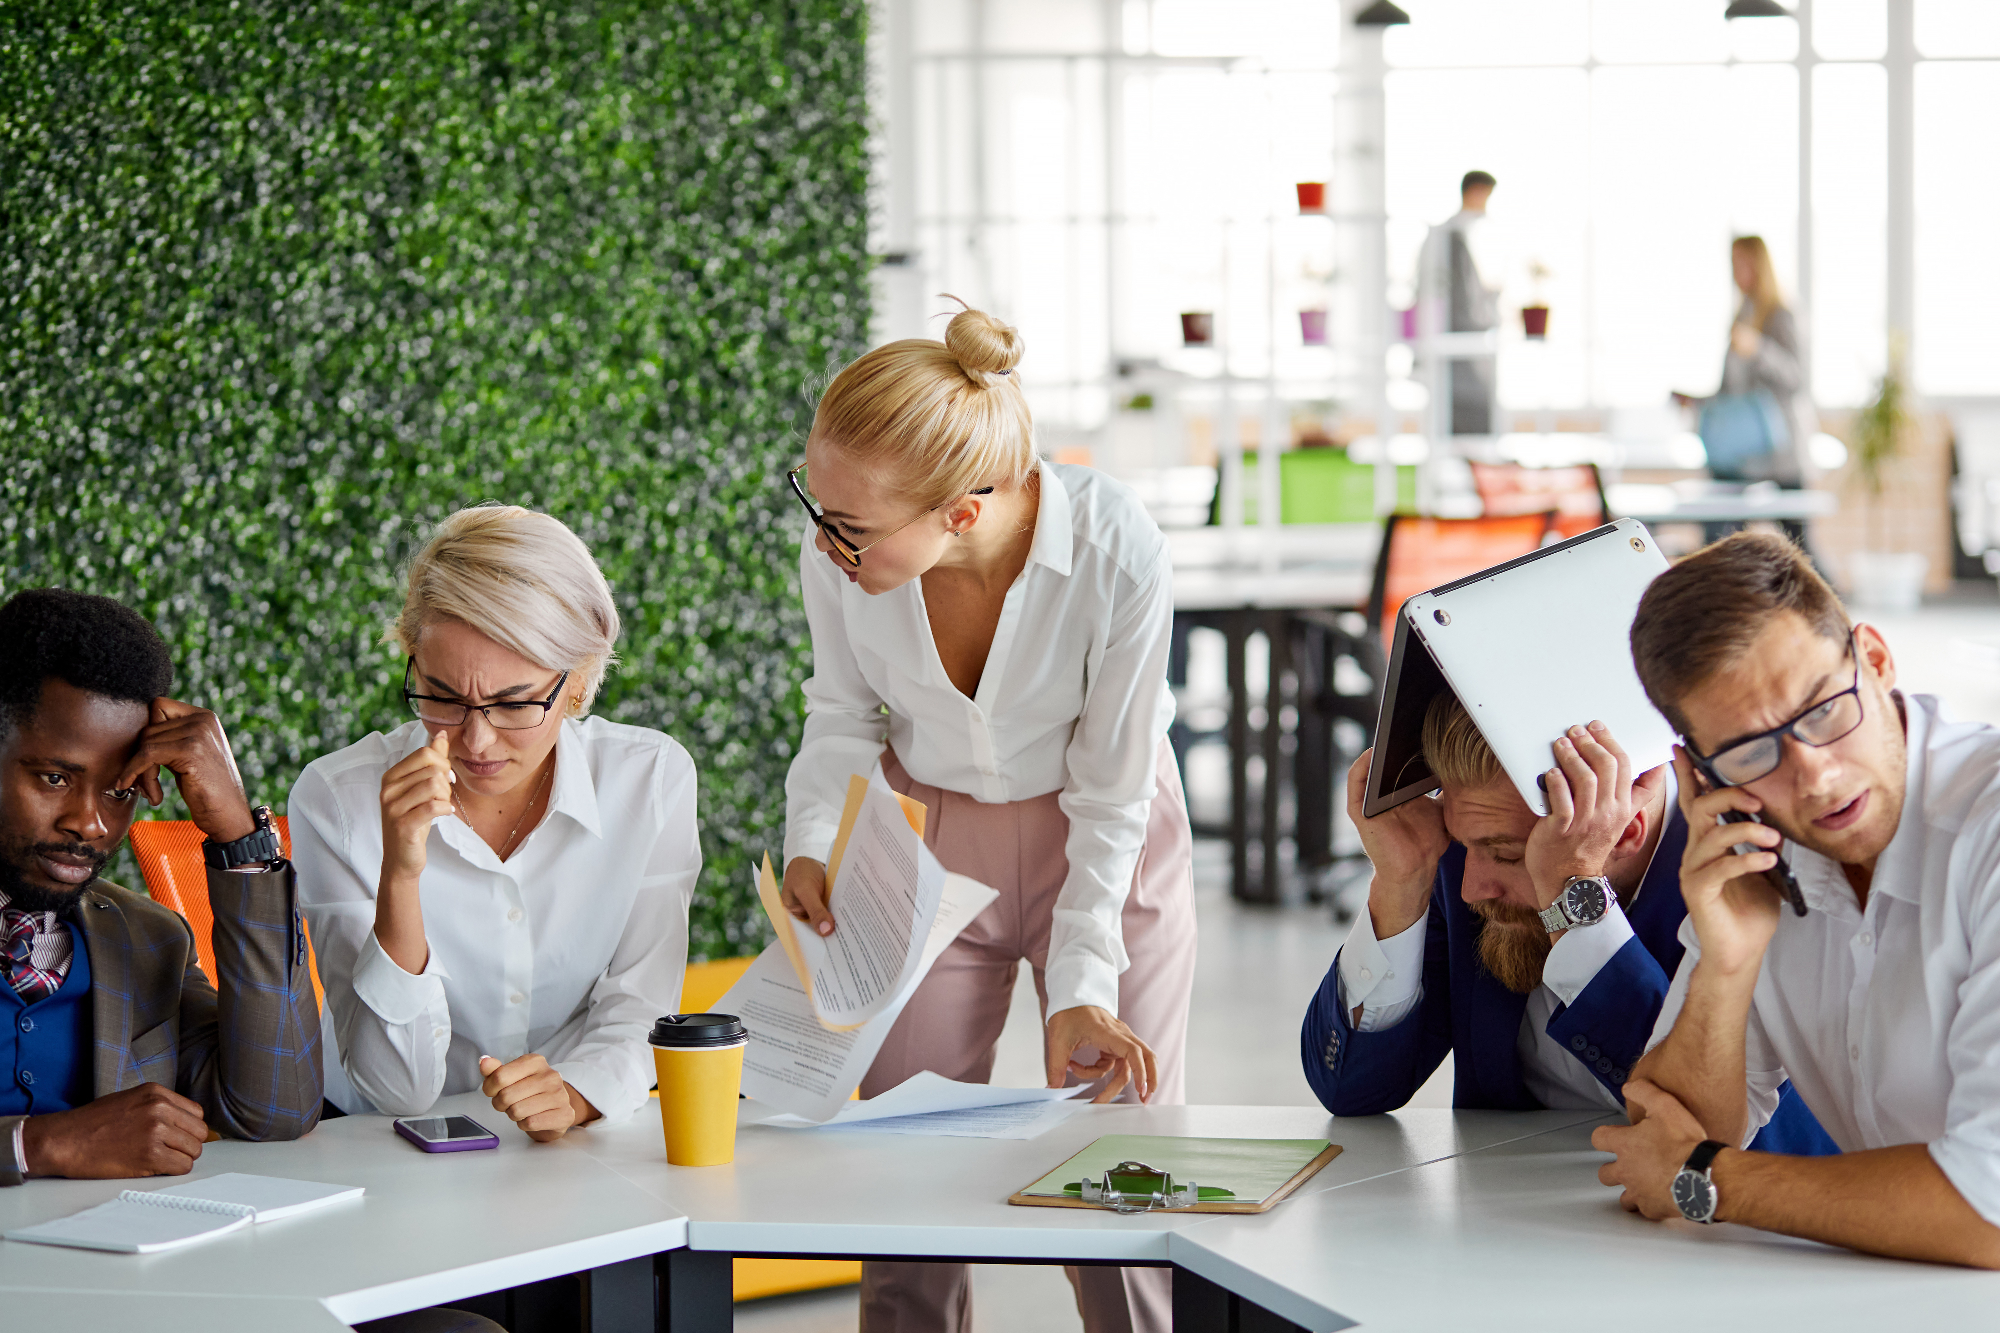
817	1015
925	1094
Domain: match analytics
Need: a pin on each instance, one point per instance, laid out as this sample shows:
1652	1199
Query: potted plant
1312	326
1883	580
1197	328
1312	196
1535	314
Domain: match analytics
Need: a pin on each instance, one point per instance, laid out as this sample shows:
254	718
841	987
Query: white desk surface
1521	1236
433	1226
153	1312
833	1192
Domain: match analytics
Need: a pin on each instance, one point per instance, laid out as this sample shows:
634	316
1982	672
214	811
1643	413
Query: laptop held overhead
1530	647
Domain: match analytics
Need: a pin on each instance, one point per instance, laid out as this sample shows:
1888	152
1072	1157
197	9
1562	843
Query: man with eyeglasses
1881	1003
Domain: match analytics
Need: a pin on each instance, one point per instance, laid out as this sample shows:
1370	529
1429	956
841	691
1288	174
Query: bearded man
118	1054
1536	950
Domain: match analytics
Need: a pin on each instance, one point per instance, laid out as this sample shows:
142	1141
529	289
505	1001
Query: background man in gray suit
1449	274
116	1053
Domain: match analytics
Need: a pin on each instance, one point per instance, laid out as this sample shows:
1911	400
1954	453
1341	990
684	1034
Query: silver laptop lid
1531	648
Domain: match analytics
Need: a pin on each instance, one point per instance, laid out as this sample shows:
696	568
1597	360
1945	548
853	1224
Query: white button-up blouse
1073	699
1887	1018
572	947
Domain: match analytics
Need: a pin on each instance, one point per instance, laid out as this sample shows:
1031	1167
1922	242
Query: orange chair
169	852
1421	553
1576	494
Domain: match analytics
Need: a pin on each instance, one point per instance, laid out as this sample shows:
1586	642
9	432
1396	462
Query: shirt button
514	914
1854	1052
515	998
1867	937
1367	975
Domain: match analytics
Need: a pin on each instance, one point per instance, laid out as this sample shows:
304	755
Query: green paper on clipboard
1254	1173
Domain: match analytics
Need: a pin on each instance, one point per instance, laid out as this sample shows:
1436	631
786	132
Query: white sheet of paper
1016	1120
925	1093
883	901
794	1063
272	1196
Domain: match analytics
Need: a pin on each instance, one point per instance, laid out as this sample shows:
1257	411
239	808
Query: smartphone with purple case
447	1133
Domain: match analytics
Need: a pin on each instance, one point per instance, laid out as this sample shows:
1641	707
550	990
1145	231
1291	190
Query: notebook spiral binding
186	1203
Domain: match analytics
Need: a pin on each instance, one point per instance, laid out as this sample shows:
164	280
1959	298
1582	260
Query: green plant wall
282	283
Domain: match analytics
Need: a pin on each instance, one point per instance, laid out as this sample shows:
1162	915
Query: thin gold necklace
508	845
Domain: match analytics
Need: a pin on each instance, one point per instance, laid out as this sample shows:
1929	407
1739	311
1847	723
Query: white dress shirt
572	947
1073	699
1386	978
1887	1018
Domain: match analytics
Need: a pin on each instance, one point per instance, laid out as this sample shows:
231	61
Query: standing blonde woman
498	889
1001	624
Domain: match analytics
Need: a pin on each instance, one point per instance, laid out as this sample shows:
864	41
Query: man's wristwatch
1694	1188
1583	902
259	847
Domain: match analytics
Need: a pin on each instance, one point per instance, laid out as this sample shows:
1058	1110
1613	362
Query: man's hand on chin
144	1131
1651	1152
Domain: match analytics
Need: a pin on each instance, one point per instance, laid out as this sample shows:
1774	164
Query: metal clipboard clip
1134	1187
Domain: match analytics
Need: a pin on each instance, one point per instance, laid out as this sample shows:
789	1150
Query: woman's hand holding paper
1120	1053
804	894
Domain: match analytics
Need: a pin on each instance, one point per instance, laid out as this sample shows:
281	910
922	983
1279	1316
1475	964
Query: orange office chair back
1576	494
1420	553
169	852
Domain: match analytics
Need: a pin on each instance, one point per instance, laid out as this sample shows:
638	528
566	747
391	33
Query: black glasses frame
1706	762
842	547
411	698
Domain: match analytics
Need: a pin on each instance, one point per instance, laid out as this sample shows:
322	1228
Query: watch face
1694	1195
1586	900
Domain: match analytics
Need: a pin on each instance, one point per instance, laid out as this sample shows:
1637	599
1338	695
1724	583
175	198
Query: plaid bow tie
17	942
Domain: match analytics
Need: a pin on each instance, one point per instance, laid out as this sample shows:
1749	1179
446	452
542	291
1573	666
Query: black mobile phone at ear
1780	875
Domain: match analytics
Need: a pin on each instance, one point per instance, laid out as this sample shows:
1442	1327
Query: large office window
1092	171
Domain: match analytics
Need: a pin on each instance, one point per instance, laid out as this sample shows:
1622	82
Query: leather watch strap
1703	1155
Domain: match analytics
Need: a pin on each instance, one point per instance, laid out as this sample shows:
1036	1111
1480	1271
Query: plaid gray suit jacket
249	1055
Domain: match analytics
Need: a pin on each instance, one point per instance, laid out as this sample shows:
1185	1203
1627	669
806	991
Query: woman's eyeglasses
842	547
1756	756
442	712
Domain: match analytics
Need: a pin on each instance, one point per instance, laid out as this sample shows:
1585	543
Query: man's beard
28	897
1513	946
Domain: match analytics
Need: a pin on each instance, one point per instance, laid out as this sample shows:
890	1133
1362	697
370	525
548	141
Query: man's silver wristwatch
1583	902
1694	1187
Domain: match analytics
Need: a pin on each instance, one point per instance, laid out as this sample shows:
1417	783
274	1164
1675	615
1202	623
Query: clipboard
1259	1173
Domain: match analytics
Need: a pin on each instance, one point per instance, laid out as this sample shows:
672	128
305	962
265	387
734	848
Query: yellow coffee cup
699	1058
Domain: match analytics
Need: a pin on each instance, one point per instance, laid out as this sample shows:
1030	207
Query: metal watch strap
1557	915
258	846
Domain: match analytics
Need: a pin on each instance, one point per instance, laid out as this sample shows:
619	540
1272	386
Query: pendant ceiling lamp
1756	9
1381	14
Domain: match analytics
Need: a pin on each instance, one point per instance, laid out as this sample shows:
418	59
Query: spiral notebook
147	1221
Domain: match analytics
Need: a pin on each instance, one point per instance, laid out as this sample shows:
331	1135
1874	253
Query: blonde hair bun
982	345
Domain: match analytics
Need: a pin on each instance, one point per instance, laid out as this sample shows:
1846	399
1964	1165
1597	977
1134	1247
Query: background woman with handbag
1763	376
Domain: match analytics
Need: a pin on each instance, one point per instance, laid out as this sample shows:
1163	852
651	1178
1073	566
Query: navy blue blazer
1468	1013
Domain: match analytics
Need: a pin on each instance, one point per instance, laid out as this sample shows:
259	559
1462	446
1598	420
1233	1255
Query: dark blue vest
45	1047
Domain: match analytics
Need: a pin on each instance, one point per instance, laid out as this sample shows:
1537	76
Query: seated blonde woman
498	889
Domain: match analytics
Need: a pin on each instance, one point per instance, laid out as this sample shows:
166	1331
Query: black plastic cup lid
688	1030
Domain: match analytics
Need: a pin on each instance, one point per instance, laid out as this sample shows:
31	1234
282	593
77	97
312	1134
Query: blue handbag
1738	429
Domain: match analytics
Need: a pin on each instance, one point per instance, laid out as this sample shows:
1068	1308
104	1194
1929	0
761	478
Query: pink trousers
952	1024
